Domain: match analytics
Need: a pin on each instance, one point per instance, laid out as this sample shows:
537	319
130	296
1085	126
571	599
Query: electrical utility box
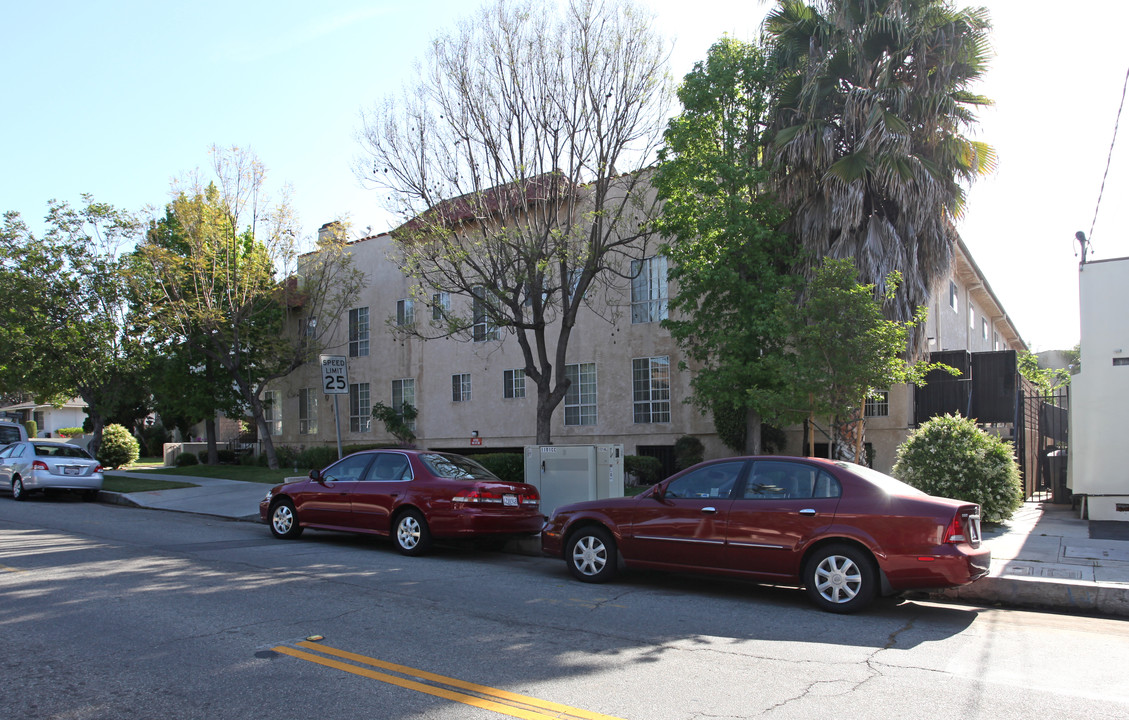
566	474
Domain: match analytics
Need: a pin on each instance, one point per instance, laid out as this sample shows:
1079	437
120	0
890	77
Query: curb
123	499
1043	594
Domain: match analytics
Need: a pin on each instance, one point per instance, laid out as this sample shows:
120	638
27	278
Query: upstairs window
648	290
358	332
460	387
650	389
513	384
405	312
482	330
580	399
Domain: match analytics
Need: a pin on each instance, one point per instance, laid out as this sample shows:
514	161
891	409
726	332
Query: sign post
335	380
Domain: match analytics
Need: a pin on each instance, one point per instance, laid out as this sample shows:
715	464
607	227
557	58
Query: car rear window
455	467
60	450
9	434
891	486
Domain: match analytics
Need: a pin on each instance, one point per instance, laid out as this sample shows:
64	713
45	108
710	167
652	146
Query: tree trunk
210	436
752	432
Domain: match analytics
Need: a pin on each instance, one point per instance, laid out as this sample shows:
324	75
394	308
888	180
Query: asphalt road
116	612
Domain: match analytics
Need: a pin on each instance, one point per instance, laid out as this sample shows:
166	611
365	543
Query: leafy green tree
398	421
223	274
842	347
65	307
512	163
1046	379
729	264
871	133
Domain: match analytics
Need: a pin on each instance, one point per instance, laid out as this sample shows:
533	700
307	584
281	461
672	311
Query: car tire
841	578
18	490
284	520
411	535
591	555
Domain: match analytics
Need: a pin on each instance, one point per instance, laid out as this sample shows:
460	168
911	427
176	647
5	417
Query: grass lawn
632	491
114	483
247	473
147	462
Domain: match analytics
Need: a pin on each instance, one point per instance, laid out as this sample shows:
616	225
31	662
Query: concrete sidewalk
1043	558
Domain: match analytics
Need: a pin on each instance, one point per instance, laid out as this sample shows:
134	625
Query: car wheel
18	491
411	534
284	520
840	578
591	555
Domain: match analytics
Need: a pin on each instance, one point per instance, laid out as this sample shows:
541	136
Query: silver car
33	465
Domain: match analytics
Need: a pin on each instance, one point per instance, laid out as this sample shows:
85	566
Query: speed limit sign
335	374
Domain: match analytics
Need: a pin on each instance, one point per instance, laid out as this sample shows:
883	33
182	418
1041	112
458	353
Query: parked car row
40	465
843	532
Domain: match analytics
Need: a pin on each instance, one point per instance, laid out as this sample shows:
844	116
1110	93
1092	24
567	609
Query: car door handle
808	511
709	510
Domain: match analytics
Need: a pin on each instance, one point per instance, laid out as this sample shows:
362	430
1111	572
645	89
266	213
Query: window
772	480
580	399
648	290
308	411
349	469
513	384
440	305
971	318
460	387
995	341
405	312
953	296
309	333
877	404
272	413
984	328
404	391
711	481
650	389
358	332
482	329
360	408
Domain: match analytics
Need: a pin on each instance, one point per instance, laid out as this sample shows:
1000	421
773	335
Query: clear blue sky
118	98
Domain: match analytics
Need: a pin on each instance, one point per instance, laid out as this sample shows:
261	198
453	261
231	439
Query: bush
225	456
69	432
646	469
688	450
184	459
118	447
152	439
316	457
507	466
949	456
32	428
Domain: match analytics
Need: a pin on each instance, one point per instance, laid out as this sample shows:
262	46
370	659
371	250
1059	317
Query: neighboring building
1099	403
48	418
472	395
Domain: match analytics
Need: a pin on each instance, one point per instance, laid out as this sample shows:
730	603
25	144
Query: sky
119	98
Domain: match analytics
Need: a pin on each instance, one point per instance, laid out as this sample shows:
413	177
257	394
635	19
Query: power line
1109	159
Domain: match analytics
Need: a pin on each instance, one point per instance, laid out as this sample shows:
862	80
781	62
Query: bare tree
504	162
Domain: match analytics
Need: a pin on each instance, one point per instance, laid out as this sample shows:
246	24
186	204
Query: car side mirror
658	492
315	475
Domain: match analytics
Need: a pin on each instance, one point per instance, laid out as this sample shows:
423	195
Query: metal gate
1042	441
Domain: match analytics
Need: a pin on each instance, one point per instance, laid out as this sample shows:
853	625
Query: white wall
1099	395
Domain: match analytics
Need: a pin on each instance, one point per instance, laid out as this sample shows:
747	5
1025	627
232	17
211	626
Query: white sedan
34	465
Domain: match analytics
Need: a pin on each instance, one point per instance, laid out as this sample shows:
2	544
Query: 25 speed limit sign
335	374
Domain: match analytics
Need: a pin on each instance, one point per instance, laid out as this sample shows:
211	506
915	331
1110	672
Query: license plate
509	500
72	471
974	529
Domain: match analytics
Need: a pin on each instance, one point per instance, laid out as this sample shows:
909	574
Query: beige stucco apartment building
627	387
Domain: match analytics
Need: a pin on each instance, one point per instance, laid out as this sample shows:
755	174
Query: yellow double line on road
480	696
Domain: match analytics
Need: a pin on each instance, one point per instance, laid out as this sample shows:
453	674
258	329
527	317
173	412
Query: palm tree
870	143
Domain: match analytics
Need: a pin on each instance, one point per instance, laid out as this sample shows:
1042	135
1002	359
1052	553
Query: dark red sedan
412	495
844	532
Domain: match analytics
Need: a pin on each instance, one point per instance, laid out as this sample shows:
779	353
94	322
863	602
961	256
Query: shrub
688	450
69	432
646	469
949	456
184	459
316	457
118	447
225	456
32	428
507	466
152	439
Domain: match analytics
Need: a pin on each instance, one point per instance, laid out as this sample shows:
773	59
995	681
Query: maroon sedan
412	495
844	532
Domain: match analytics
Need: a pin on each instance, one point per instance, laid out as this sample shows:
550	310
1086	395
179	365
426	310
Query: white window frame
877	404
650	390
483	329
954	300
404	391
460	387
308	411
272	412
360	408
405	312
648	290
358	332
440	305
513	384
580	399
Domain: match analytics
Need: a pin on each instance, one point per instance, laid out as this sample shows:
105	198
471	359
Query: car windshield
891	486
60	450
455	467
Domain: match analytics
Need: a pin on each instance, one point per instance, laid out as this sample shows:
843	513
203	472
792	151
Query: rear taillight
98	468
954	533
478	497
531	500
39	465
